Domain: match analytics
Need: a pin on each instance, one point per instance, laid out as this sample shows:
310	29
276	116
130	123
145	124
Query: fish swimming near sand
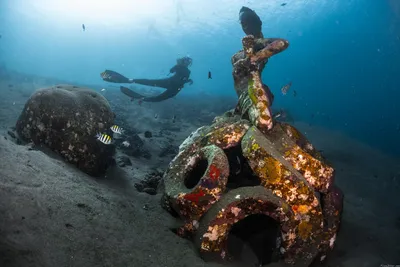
104	138
126	144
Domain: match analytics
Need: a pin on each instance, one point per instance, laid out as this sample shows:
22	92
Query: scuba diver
172	84
251	22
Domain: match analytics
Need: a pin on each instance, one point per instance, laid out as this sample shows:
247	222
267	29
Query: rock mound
66	119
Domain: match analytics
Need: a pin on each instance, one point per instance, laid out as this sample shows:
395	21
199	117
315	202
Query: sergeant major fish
116	129
104	138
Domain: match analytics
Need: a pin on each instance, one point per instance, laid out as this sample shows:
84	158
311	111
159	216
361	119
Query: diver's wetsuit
172	84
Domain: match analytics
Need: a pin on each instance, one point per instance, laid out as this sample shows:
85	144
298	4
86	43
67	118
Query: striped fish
116	129
104	138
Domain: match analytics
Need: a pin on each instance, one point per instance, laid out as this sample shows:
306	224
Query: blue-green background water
343	59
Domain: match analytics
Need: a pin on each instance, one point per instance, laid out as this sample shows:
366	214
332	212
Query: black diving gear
173	84
114	77
251	22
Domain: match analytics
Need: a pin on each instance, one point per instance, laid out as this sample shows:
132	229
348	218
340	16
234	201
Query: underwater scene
188	133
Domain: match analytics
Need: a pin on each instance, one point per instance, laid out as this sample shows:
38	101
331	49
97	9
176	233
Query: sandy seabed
53	215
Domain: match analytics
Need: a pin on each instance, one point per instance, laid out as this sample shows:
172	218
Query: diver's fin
114	77
130	93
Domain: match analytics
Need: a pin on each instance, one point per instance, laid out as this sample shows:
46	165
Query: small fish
277	115
155	116
104	138
103	90
209	75
83	27
173	119
126	144
286	88
283	4
294	93
280	114
116	129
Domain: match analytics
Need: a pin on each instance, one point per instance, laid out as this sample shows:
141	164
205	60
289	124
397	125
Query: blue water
343	59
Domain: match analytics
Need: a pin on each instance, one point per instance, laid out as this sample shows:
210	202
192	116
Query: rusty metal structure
247	164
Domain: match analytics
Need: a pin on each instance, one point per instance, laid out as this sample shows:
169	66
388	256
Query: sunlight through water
190	15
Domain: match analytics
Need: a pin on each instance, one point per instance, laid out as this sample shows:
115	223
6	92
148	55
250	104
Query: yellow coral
251	91
271	170
304	230
255	147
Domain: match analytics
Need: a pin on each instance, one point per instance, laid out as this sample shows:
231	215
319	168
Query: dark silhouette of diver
172	84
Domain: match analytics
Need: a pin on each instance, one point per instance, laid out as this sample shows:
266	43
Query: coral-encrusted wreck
247	176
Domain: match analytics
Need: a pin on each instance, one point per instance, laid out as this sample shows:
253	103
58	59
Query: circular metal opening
195	174
254	240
